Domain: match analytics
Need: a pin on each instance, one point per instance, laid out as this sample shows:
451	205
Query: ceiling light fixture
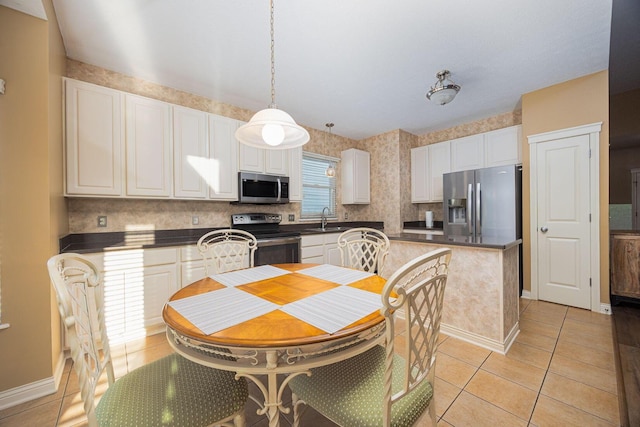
331	170
443	92
272	128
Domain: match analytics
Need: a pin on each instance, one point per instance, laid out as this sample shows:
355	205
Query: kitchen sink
327	229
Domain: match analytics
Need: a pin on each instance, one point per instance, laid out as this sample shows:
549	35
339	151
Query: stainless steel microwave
262	189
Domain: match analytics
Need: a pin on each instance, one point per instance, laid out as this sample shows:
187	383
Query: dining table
271	323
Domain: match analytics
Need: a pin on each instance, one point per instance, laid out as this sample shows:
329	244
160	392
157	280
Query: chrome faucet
324	217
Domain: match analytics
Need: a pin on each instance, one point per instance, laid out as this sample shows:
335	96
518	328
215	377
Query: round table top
276	328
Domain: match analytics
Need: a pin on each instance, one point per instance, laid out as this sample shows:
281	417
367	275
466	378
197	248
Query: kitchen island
482	295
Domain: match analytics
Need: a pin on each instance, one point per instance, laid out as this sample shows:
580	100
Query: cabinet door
158	283
94	135
439	163
223	164
148	133
502	147
419	175
331	251
355	177
295	174
250	159
190	153
467	153
276	162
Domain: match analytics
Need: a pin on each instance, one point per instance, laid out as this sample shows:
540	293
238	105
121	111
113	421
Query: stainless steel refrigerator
484	203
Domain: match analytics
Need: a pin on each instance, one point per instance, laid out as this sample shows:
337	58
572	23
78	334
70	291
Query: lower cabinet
137	284
321	249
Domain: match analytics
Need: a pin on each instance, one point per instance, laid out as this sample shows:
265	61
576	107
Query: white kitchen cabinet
137	284
355	177
190	153
148	147
467	153
295	174
320	249
272	162
191	265
223	160
420	179
428	164
495	148
331	251
502	146
94	133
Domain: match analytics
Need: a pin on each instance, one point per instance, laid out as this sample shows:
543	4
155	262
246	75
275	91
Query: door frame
593	131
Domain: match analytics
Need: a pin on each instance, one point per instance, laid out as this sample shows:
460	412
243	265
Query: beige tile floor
559	372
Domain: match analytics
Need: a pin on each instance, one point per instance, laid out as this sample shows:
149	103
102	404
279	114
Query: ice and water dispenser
457	211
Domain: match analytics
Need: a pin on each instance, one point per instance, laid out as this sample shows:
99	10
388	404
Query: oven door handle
278	241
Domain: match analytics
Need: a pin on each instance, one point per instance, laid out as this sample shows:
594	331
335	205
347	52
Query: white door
562	233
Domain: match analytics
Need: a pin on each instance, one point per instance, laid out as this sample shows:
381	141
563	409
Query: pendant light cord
273	62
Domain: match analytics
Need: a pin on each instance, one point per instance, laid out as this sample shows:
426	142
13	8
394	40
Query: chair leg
299	406
239	420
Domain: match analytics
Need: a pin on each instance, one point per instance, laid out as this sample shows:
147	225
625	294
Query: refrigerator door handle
469	212
478	212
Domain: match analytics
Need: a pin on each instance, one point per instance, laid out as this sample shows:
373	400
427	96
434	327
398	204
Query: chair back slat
363	248
79	291
227	250
416	292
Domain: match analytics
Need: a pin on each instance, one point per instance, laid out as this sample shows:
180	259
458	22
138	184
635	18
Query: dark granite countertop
484	242
422	225
98	242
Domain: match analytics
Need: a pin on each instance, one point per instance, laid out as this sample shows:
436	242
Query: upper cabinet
496	148
295	174
94	127
502	146
223	158
124	145
355	177
272	162
190	153
428	164
149	156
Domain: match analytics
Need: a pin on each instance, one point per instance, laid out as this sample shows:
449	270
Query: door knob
544	229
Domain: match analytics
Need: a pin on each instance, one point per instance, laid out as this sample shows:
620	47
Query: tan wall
25	219
59	220
577	102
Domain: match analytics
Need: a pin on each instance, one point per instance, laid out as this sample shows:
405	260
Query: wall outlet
102	221
292	217
346	215
195	220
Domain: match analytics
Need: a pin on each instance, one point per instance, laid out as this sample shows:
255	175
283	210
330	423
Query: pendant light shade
272	128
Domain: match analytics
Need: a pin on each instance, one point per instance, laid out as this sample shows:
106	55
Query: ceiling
365	65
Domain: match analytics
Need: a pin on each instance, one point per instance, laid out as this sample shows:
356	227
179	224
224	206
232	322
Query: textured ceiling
363	64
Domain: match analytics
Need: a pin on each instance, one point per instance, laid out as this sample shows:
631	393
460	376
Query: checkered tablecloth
329	309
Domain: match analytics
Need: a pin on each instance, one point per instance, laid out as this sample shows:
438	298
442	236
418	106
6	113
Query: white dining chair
171	391
227	250
363	248
390	384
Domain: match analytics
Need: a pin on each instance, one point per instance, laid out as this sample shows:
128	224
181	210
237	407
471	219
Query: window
318	190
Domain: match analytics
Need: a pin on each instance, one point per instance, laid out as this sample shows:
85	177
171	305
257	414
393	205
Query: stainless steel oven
274	246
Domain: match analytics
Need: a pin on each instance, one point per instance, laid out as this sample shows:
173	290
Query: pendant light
331	170
443	92
272	128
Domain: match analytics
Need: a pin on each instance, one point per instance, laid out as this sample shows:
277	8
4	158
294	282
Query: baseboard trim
605	309
27	392
526	294
479	340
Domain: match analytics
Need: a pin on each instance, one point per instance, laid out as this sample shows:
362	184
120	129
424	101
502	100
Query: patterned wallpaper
390	171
